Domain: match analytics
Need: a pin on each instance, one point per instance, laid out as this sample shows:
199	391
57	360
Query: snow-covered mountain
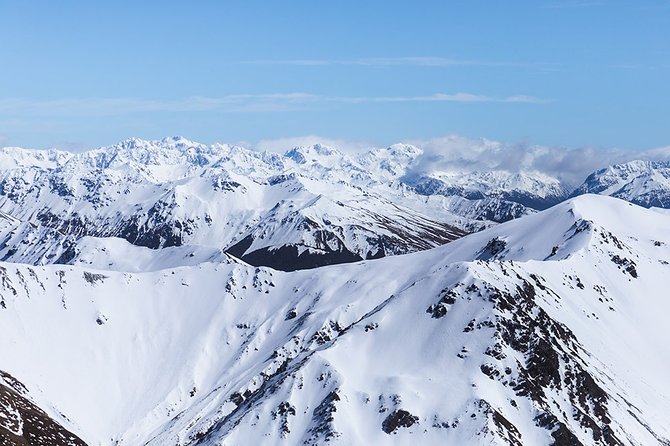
170	292
548	329
646	183
530	189
314	204
394	168
175	192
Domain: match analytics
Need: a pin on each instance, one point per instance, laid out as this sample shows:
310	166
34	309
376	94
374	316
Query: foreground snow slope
549	328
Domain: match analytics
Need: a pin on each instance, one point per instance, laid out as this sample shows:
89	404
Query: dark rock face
152	230
626	265
521	328
331	250
23	423
498	210
441	308
323	429
283	412
288	258
398	419
532	201
493	248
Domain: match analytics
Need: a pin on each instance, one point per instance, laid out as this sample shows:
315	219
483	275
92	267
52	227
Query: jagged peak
629	169
643	182
18	157
301	154
404	149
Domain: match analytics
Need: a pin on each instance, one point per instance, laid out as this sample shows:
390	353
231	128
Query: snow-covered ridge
175	192
15	157
126	279
171	158
546	329
646	183
315	205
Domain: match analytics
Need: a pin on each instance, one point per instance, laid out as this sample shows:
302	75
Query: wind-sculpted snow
549	329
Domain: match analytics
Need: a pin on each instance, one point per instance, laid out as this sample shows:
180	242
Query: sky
563	73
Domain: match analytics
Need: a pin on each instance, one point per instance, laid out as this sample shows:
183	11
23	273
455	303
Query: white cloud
570	165
111	106
238	103
440	97
371	61
658	154
455	152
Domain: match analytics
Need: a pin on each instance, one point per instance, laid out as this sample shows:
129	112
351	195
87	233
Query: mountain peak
318	153
646	183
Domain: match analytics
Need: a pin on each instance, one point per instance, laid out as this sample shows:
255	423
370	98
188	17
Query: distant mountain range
314	205
646	183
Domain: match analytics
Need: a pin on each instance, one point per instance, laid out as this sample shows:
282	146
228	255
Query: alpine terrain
172	293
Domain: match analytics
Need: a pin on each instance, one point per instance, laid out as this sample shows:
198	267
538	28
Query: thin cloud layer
570	165
240	103
371	61
458	153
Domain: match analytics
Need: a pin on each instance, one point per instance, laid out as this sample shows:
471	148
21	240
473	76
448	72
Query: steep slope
546	329
350	225
116	254
28	242
23	423
646	183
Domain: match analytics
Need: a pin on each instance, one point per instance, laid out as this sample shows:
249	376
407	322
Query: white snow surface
223	353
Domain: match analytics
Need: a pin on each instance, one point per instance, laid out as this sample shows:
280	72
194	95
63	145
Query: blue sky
573	73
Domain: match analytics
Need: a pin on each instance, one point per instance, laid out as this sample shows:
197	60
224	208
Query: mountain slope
549	328
646	183
175	192
344	228
23	423
529	189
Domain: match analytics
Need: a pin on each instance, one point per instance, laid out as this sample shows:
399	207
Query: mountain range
314	205
169	292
